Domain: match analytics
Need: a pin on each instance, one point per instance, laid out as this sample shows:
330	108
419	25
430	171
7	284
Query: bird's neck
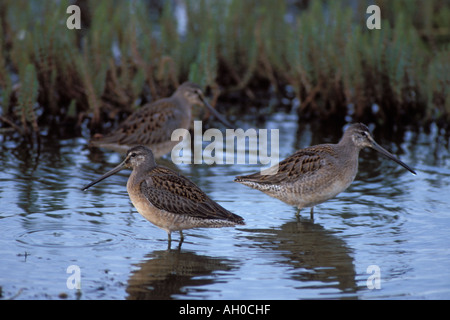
347	143
139	174
349	149
182	103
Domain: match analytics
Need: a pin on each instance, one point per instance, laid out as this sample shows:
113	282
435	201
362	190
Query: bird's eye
133	155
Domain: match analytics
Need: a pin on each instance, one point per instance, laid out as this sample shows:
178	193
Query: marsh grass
129	53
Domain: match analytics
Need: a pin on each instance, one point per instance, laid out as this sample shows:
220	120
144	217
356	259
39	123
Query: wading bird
153	124
318	173
167	199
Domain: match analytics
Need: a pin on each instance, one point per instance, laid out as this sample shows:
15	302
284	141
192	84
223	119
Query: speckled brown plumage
171	192
305	161
150	125
315	174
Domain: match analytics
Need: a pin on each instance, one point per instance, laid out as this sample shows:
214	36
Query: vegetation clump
128	53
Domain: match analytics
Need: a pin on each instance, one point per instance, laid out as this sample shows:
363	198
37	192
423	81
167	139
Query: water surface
388	218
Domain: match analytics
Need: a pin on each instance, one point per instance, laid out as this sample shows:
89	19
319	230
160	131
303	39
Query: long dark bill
386	153
106	175
217	114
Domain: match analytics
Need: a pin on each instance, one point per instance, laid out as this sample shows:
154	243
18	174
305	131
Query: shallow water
388	218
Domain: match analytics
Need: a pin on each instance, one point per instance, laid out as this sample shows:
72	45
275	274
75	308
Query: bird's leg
181	239
311	213
169	242
297	213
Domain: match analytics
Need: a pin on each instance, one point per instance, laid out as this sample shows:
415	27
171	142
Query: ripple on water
68	237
